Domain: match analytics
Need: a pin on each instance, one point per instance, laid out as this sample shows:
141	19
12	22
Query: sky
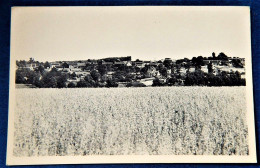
147	33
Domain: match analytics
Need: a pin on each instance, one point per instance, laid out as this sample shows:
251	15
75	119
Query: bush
157	82
71	85
138	84
129	85
111	83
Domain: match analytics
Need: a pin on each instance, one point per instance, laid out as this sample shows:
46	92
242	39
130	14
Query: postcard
130	84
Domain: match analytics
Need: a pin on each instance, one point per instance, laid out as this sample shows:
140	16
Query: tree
20	76
82	84
46	65
65	65
111	83
225	78
167	63
119	76
26	76
210	68
222	56
31	76
137	69
171	81
40	69
157	82
162	69
237	63
38	83
102	69
95	75
197	61
129	78
53	78
187	66
21	63
163	72
71	85
31	60
137	84
90	81
73	75
52	83
195	78
214	55
178	68
144	70
61	80
200	61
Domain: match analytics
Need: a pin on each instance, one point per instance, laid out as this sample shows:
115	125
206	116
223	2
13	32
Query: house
72	66
243	75
240	70
72	63
94	62
82	73
147	81
119	63
75	69
182	70
192	69
155	64
204	69
128	63
229	69
216	62
147	62
106	63
110	74
66	70
74	80
54	64
169	72
81	64
59	68
162	80
31	66
139	64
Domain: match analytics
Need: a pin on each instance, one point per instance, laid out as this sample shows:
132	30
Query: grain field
131	121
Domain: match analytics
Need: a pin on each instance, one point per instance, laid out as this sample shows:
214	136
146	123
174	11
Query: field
131	121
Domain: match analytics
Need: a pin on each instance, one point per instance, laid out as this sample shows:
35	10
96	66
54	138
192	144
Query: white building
204	69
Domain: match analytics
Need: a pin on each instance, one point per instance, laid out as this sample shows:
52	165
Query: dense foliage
112	75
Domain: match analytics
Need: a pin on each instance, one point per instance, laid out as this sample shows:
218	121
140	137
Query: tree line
130	75
57	79
199	78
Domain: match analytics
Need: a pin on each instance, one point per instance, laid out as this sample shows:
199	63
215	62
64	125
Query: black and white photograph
130	84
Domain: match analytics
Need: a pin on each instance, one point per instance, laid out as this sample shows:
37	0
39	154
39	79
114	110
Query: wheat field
131	121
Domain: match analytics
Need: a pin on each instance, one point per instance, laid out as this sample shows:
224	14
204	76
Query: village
125	72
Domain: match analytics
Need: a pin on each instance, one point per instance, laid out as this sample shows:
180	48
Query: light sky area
147	33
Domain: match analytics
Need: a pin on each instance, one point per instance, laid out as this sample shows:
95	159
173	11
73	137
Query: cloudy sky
149	33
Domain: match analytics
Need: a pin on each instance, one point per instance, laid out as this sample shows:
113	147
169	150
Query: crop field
131	121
